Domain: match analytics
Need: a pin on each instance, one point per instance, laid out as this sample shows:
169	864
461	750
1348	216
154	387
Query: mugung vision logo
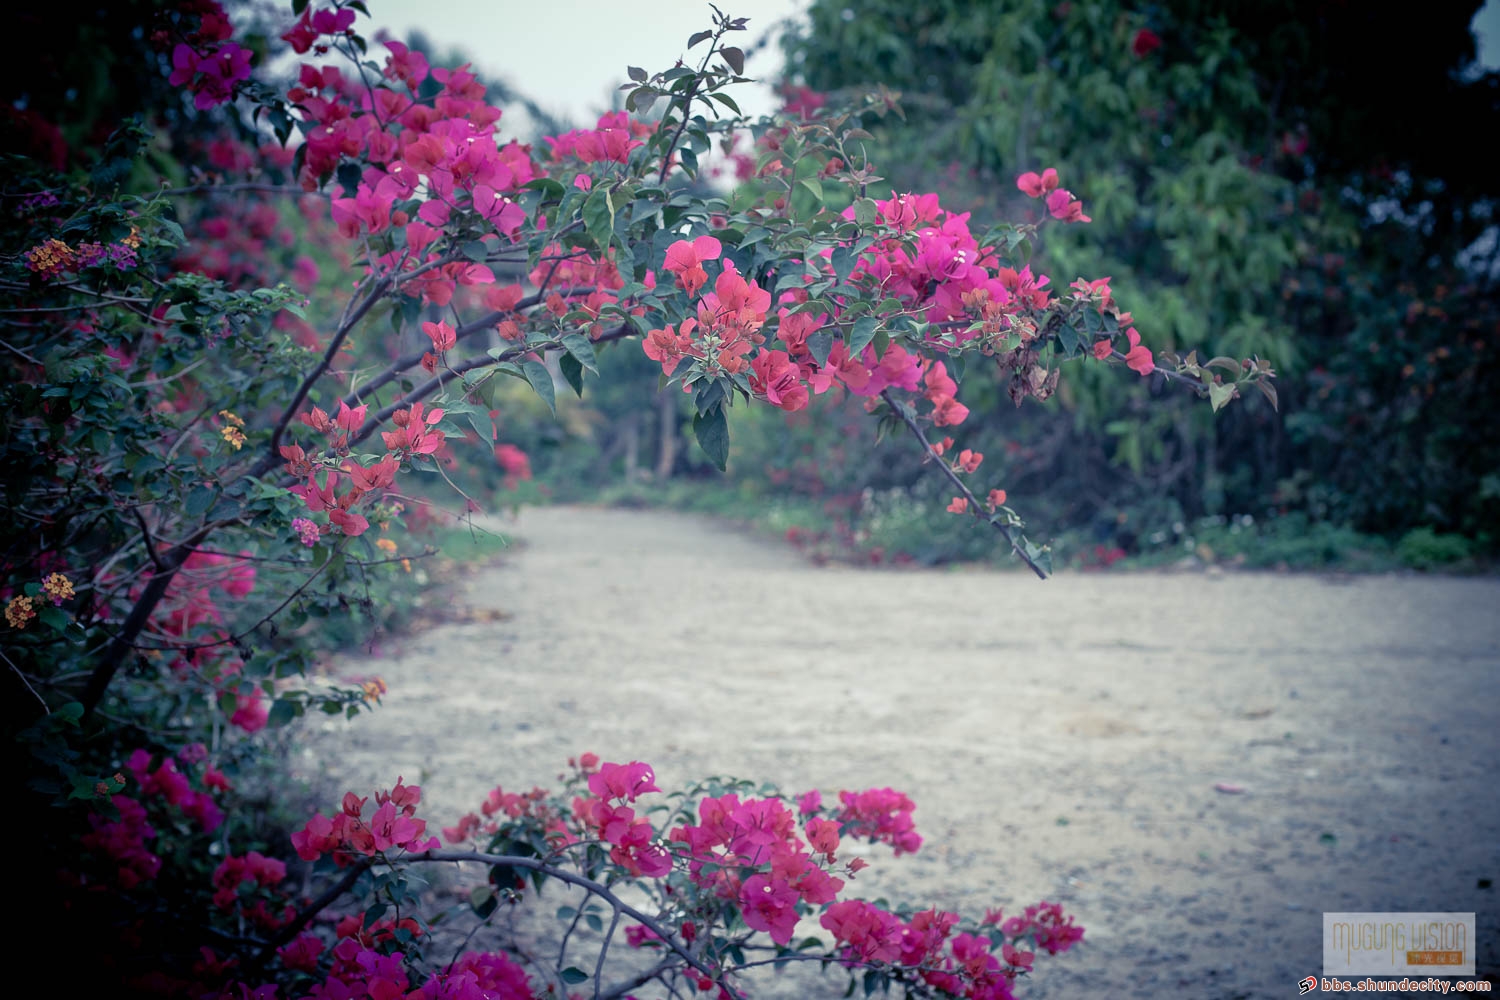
1398	944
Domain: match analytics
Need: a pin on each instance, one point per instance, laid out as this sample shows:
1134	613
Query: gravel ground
1062	739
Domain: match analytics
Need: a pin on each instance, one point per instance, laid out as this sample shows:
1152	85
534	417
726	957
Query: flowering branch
589	885
975	508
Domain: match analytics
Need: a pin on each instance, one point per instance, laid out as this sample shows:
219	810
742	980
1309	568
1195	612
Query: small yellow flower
231	418
406	565
374	689
234	436
385	545
133	241
19	611
58	587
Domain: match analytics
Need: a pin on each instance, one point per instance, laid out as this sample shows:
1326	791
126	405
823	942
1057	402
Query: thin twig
975	507
596	888
603	951
26	682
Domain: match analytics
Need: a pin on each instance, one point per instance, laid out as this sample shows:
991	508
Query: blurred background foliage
1301	181
1286	179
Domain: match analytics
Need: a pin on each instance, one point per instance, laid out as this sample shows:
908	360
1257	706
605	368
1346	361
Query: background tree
1269	182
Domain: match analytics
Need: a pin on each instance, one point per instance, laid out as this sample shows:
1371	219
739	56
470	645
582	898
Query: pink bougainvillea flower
969	460
583	182
349	419
774	376
1065	207
823	835
442	335
996	499
1139	358
1103	349
350	524
623	781
958	506
376	477
685	261
1035	186
769	904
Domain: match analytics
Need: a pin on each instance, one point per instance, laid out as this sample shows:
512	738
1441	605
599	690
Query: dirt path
1062	740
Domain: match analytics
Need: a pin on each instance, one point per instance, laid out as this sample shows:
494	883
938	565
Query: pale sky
568	55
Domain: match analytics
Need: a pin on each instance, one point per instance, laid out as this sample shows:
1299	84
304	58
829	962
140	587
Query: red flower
442	335
1145	42
1139	356
1035	186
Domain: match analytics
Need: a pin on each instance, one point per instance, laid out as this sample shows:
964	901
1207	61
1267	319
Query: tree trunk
632	435
666	439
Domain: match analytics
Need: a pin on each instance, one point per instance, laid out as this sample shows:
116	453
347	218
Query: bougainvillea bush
248	323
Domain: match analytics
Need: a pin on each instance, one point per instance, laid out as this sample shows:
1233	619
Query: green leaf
728	102
1220	395
735	58
199	499
709	395
541	380
549	187
572	370
573	975
712	431
636	73
482	900
579	347
599	217
1068	340
699	36
863	332
476	251
595	924
865	211
811	183
818	345
843	260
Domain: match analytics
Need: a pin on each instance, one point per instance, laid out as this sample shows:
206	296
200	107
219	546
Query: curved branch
596	888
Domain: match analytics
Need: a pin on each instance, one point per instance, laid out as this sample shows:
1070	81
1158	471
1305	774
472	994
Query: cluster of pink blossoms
416	433
948	280
732	834
611	140
1060	202
359	971
426	161
207	64
632	840
346	834
882	815
238	878
963	965
124	840
190	609
513	805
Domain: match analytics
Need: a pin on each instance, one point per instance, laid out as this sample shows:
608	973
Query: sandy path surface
1062	740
